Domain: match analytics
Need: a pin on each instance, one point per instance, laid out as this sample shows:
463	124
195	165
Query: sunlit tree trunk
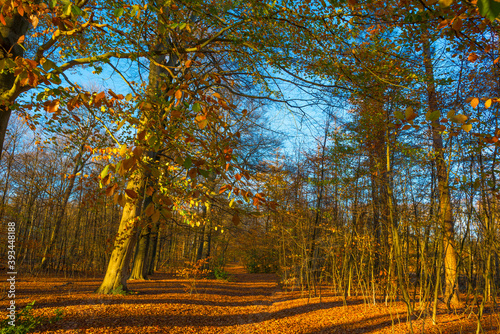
115	280
445	209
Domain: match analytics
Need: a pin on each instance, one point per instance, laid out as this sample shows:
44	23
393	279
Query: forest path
250	303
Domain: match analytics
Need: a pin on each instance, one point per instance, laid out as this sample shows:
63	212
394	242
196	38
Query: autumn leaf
111	189
487	104
472	57
155	217
137	151
99	97
459	118
52	106
131	193
150	209
467	127
457	24
445	3
123	150
474	102
178	94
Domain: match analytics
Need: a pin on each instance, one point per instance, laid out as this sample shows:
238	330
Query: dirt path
252	303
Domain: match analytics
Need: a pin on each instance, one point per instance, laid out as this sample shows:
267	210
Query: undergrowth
26	322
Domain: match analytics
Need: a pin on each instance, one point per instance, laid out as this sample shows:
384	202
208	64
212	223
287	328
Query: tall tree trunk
140	259
445	209
115	280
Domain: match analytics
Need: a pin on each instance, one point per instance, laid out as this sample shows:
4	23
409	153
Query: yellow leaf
459	118
467	127
487	104
123	150
120	125
445	3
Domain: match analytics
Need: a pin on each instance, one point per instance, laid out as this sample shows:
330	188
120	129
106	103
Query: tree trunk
16	26
140	258
445	209
115	280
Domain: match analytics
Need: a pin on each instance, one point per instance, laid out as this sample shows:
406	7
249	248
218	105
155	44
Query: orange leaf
472	57
52	106
188	63
178	94
99	97
474	102
224	187
2	19
443	24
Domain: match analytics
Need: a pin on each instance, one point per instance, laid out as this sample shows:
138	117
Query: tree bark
115	280
16	26
445	209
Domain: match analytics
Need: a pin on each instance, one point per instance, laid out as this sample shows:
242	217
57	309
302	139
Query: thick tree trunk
155	250
15	27
140	259
445	209
115	280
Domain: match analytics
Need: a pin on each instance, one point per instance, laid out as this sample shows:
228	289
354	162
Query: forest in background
178	162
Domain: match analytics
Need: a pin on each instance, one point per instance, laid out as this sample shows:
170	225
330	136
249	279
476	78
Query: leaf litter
250	303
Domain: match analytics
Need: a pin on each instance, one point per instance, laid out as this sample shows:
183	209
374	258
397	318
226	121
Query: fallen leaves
251	304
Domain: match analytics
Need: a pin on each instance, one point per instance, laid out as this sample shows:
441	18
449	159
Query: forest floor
249	303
